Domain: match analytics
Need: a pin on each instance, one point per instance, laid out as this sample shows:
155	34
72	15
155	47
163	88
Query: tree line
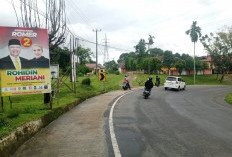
218	45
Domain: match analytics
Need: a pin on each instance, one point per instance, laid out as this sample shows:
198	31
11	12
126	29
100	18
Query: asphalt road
191	123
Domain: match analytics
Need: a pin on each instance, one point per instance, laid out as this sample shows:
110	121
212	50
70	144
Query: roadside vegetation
28	107
229	98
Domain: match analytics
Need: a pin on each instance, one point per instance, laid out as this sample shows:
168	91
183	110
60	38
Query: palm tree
150	42
194	32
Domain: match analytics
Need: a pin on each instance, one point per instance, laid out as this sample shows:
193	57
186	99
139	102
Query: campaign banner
24	61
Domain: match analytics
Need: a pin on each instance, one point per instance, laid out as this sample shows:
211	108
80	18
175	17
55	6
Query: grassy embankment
28	107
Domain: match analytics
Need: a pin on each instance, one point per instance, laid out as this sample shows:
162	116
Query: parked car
174	82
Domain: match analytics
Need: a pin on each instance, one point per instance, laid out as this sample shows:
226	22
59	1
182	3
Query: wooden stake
2	103
10	102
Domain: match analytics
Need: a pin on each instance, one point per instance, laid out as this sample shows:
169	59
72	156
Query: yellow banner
27	81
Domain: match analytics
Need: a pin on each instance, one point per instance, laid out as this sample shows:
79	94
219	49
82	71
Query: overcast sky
125	22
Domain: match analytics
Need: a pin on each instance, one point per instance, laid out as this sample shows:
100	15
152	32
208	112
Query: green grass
200	80
229	98
28	107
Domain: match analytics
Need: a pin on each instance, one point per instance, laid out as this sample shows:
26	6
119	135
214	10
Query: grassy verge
200	80
229	98
28	107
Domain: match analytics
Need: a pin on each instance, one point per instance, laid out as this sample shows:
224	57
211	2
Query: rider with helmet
126	81
149	84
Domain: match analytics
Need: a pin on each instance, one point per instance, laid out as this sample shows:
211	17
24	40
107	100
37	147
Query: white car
174	82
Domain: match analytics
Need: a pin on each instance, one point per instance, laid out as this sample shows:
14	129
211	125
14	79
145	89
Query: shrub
86	81
83	69
29	109
117	72
12	113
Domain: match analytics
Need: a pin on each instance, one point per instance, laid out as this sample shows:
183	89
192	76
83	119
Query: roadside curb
10	143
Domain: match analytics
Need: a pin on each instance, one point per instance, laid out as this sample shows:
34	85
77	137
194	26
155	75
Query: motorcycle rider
148	84
126	81
157	81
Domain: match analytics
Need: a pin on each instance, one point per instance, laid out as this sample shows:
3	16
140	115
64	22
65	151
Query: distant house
92	66
209	71
208	60
122	68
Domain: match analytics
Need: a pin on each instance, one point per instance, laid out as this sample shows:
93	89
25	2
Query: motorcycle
146	93
157	83
125	86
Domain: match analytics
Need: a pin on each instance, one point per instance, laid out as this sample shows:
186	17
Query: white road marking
112	133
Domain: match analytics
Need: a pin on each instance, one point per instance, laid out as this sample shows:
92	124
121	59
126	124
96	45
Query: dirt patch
228	78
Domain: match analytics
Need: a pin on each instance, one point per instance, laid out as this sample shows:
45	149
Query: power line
68	29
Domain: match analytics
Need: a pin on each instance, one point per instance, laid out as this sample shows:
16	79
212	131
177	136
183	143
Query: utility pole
106	54
96	30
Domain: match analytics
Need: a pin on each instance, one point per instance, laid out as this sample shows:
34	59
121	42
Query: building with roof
92	66
122	68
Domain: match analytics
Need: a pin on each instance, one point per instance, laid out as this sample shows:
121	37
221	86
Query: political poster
24	61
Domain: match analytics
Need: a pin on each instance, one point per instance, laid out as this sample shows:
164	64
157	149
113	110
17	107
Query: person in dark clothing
39	61
149	84
157	81
14	61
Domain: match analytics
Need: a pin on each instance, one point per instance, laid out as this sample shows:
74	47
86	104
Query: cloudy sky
125	22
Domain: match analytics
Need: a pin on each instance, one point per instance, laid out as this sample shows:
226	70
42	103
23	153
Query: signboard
102	76
24	61
54	71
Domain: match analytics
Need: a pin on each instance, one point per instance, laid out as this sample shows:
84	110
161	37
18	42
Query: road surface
191	123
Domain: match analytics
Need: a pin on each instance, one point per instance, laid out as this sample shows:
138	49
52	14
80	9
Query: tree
168	59
150	40
198	65
62	58
219	47
177	55
83	69
122	57
155	52
195	33
204	66
189	64
140	48
180	65
54	19
185	56
111	66
155	64
84	55
130	63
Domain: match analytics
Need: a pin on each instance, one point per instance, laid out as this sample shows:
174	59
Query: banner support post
2	103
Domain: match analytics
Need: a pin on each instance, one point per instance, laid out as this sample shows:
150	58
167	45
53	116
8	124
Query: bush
86	81
117	72
12	113
29	109
83	69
